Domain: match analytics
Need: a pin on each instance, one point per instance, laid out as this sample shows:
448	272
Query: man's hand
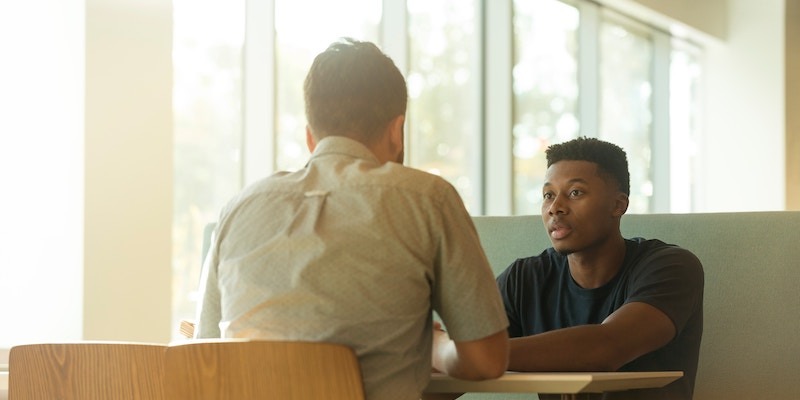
484	358
440	339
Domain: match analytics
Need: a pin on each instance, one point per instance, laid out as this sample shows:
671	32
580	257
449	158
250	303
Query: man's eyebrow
571	181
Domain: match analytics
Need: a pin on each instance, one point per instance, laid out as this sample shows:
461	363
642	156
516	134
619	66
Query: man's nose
557	206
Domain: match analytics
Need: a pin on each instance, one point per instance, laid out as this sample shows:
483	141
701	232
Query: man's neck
595	267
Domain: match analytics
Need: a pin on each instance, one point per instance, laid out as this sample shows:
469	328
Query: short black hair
353	89
610	158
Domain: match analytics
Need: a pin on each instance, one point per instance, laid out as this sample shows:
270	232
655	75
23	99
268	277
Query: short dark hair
353	89
610	158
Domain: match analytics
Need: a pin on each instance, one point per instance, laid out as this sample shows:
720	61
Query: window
580	69
207	103
626	89
42	171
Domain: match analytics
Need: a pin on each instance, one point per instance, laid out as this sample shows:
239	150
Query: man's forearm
580	348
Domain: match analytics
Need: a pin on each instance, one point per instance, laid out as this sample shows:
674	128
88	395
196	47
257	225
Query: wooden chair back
86	371
232	369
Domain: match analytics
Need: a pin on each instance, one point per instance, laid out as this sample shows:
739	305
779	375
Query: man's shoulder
658	247
414	174
412	180
249	196
652	253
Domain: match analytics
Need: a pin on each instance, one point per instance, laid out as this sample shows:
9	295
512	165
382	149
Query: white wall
128	221
744	159
41	170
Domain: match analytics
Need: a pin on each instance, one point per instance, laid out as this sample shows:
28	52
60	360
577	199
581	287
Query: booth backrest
751	338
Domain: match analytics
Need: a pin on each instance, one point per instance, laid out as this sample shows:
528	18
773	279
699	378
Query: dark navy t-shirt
540	295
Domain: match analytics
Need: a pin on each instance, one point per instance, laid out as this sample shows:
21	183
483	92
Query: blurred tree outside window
207	50
545	88
443	118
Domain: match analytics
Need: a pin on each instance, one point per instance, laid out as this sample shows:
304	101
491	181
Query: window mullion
661	154
589	69
258	105
394	32
394	42
477	69
497	106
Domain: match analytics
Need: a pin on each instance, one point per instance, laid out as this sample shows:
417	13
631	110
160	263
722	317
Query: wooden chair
86	371
233	369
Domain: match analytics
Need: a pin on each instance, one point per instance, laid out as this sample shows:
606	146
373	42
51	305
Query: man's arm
208	309
635	329
484	358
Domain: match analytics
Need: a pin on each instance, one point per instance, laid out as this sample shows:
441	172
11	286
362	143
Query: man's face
580	208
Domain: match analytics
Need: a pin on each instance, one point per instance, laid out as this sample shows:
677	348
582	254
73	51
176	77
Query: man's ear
310	142
396	131
621	204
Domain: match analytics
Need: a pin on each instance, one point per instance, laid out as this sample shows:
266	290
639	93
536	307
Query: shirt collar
341	145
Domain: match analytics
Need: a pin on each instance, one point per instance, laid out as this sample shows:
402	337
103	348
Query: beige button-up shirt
351	251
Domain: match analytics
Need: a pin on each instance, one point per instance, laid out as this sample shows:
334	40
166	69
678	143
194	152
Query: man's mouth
558	230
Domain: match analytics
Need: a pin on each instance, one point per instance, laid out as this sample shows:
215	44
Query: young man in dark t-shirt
596	301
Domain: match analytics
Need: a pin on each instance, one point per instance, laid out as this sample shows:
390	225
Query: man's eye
547	196
575	193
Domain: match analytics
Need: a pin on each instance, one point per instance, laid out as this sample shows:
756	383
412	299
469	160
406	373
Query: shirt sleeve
671	279
508	283
465	294
209	311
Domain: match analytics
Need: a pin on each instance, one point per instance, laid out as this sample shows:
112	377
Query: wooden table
568	384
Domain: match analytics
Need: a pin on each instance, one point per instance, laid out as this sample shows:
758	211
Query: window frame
493	174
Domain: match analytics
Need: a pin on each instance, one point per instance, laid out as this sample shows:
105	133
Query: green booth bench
751	336
751	331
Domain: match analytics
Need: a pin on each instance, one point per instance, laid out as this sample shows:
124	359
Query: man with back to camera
355	248
596	301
